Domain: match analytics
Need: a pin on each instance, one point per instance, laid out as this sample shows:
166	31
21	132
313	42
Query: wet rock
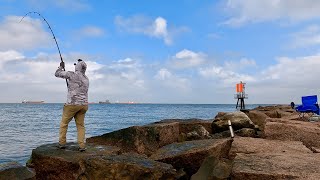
119	167
214	168
238	120
53	163
141	139
248	145
276	166
283	129
190	154
15	171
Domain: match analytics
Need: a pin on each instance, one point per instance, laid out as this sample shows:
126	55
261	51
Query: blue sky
162	51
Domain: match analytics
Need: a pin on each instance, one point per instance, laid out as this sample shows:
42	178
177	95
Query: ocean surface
27	126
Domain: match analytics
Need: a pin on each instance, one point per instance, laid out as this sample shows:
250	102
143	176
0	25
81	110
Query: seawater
27	126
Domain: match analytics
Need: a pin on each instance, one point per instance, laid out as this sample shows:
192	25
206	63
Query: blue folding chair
309	105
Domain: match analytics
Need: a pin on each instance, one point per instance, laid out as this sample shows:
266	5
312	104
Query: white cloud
310	36
37	70
188	59
163	74
226	76
119	78
10	55
160	30
251	11
27	34
174	82
151	27
90	31
128	79
294	72
243	63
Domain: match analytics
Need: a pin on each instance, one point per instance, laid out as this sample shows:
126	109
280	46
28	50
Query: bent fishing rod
54	37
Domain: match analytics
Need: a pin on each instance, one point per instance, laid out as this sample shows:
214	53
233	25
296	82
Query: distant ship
105	102
32	102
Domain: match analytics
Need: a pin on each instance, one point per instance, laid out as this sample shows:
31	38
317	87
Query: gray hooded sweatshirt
78	84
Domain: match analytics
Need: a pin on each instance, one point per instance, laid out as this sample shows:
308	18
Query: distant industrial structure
105	102
32	102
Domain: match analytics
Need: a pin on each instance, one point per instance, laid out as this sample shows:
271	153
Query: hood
81	66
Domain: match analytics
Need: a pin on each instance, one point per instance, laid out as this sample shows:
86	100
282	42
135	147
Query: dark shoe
61	146
82	149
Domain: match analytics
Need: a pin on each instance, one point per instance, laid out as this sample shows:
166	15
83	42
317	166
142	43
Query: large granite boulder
283	129
50	162
258	118
15	171
248	145
189	155
187	125
276	166
238	120
120	167
141	139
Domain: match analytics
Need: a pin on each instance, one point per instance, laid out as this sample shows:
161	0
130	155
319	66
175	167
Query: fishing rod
54	37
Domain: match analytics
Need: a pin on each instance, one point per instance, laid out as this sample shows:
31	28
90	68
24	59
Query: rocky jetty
271	142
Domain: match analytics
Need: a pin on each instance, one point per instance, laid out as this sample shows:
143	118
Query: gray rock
15	171
238	120
53	163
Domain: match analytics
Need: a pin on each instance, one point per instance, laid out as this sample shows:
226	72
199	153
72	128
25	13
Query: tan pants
78	112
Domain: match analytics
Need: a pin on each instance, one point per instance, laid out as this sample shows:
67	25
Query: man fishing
77	102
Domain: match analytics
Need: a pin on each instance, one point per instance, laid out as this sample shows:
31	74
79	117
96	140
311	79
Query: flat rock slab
50	162
283	129
250	145
190	154
276	166
15	171
120	167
